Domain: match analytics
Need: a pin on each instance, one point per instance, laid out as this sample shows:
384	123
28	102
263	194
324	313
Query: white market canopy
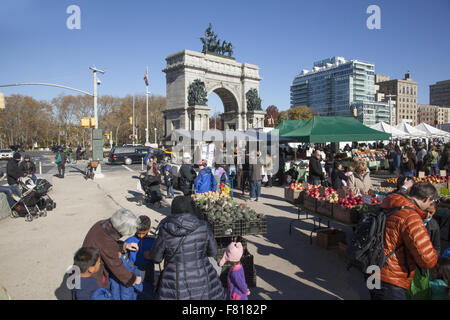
432	131
411	131
396	133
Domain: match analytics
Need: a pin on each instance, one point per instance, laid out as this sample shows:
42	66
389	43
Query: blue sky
281	37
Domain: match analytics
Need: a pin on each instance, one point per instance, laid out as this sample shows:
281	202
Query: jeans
61	170
15	189
170	191
316	182
435	169
409	174
255	189
388	292
7	190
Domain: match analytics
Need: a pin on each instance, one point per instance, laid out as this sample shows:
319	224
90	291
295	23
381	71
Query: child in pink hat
237	287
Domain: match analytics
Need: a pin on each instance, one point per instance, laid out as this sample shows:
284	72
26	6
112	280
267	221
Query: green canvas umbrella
334	129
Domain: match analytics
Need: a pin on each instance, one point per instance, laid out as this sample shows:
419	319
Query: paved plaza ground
34	256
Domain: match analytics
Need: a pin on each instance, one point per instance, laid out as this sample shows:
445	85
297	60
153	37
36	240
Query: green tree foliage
26	121
297	113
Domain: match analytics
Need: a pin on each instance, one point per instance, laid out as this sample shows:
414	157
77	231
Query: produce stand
319	217
229	222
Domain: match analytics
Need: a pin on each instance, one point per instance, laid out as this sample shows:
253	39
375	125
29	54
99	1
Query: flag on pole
146	77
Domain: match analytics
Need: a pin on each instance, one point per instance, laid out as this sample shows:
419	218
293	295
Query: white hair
125	222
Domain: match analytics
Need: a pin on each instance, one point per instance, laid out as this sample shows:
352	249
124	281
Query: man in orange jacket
406	233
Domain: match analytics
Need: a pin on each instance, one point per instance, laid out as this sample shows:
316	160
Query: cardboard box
330	238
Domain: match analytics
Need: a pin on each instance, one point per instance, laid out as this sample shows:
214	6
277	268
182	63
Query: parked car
6	154
57	148
128	154
17	148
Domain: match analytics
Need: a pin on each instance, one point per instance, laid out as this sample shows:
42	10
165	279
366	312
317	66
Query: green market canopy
289	125
333	129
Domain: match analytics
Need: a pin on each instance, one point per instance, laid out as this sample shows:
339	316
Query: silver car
6	154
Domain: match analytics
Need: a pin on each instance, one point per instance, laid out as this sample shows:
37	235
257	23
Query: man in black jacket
315	169
28	167
14	172
187	175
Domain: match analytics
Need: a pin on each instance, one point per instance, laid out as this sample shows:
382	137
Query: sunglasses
436	201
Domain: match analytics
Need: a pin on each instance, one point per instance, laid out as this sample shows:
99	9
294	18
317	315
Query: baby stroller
42	188
27	206
152	189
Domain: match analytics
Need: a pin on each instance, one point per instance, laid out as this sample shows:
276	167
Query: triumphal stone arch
192	76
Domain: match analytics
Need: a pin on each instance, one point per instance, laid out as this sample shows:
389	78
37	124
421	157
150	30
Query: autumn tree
297	113
271	117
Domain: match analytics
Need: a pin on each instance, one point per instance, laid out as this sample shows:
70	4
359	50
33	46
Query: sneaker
251	199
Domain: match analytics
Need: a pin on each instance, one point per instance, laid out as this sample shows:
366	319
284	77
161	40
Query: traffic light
2	101
93	122
84	122
131	120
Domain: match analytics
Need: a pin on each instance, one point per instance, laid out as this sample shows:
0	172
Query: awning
334	129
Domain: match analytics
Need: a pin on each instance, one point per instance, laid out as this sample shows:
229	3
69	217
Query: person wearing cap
28	167
184	243
14	172
237	286
187	175
205	180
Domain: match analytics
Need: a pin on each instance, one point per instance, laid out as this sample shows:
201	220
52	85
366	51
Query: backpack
367	244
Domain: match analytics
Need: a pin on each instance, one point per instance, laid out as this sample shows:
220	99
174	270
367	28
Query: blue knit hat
446	253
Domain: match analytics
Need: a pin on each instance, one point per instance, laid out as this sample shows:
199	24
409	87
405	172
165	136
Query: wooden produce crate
310	203
346	215
325	208
291	196
330	238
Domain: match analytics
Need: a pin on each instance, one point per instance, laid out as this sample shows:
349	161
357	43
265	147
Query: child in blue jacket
88	261
140	258
205	180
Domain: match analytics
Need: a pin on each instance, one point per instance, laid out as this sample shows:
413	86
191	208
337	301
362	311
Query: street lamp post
146	129
98	170
155	135
390	107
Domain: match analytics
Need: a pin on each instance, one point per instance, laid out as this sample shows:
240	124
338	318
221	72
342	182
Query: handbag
58	160
158	283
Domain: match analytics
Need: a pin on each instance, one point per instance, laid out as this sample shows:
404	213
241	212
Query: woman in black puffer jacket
185	243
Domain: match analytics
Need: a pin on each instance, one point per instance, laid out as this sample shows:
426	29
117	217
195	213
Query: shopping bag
265	179
58	160
420	288
139	187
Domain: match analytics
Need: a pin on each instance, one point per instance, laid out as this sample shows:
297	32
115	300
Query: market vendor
360	182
